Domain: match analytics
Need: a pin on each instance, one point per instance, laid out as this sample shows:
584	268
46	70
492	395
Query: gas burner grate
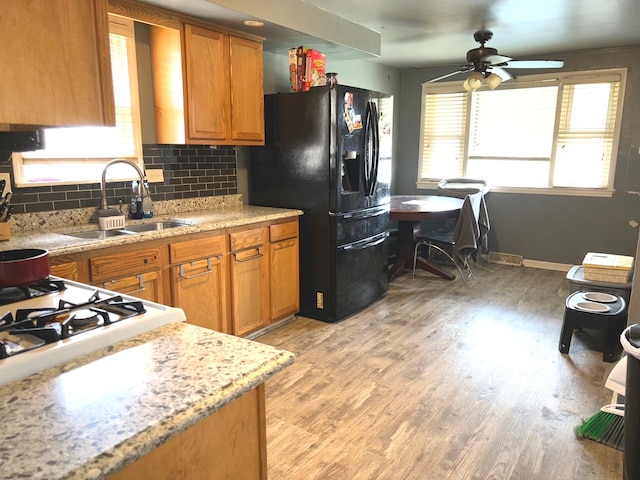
34	327
10	295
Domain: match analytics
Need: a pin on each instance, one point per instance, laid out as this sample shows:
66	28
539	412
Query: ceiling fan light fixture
493	81
466	86
475	80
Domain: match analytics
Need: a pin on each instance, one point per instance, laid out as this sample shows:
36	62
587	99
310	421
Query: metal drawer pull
209	269
235	256
140	284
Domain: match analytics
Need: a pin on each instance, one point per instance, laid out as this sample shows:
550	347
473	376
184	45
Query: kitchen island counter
91	417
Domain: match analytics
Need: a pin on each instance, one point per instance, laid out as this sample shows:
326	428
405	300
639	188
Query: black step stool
611	324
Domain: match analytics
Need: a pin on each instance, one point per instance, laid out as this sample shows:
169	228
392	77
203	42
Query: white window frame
119	172
557	78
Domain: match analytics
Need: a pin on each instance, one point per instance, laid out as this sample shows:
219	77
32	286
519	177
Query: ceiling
412	33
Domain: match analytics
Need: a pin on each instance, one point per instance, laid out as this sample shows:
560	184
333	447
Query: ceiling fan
488	66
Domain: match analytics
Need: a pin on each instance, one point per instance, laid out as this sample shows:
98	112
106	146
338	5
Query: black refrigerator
328	153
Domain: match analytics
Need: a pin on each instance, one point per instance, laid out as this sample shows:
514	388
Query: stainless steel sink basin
151	227
98	234
128	230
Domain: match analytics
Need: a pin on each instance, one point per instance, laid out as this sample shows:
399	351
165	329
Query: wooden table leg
406	244
430	267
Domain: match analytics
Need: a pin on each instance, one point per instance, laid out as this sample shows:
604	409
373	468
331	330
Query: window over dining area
540	134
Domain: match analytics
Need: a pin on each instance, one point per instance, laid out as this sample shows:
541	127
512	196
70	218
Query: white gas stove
61	320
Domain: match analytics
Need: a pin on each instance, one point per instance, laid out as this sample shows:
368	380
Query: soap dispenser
147	204
135	206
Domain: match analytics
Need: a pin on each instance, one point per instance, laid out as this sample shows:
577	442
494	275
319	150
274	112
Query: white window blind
586	134
78	154
546	131
513	123
443	135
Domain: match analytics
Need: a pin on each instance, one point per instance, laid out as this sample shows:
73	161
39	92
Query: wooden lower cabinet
284	270
228	444
68	270
236	280
249	263
133	271
199	281
147	286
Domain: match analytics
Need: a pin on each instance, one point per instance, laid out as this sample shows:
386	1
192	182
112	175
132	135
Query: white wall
358	73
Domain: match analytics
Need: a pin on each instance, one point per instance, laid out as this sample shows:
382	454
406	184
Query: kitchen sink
128	230
150	227
98	234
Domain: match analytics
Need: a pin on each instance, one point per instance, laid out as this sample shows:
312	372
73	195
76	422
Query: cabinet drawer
194	249
246	239
126	263
283	231
67	270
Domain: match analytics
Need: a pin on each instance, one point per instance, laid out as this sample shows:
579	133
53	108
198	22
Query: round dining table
410	211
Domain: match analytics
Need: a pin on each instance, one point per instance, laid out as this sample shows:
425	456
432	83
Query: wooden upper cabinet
57	65
247	91
206	73
208	87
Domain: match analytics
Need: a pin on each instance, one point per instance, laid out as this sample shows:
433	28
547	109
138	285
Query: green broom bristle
603	427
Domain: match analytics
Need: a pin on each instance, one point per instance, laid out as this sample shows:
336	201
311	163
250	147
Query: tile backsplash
190	171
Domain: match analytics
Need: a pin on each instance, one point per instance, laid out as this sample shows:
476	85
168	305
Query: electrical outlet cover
155	175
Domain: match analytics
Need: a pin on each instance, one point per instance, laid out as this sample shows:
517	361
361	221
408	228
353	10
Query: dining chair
463	241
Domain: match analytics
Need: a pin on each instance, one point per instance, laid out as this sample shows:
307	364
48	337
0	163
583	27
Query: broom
606	426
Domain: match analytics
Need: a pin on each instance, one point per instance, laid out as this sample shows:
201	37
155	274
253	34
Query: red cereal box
315	69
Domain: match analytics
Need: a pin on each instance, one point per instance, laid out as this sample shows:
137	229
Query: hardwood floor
441	381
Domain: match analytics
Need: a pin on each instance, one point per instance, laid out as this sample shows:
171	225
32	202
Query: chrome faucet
103	187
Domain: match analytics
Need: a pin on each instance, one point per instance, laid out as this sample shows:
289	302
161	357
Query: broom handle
615	408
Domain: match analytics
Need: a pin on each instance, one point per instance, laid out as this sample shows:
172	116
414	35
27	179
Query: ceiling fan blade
463	70
502	73
534	64
495	59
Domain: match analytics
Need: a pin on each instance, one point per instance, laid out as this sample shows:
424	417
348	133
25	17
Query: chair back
461	187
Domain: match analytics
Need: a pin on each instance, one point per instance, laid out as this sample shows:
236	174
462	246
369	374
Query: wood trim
104	63
229	443
283	231
163	17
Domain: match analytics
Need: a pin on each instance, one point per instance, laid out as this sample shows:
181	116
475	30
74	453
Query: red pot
23	267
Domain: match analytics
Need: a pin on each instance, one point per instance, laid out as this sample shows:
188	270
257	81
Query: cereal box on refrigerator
315	71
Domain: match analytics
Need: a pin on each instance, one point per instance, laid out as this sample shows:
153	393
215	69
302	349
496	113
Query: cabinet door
147	286
285	296
200	289
249	290
247	91
206	69
60	71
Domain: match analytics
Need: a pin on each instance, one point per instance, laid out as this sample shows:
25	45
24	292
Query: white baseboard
518	261
561	267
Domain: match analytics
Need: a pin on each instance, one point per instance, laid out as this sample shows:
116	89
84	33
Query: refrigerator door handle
367	214
368	150
366	244
376	149
372	154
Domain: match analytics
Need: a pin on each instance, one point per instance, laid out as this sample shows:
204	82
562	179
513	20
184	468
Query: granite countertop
91	417
53	238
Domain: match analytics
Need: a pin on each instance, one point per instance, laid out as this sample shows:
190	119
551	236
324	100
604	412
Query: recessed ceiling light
253	23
